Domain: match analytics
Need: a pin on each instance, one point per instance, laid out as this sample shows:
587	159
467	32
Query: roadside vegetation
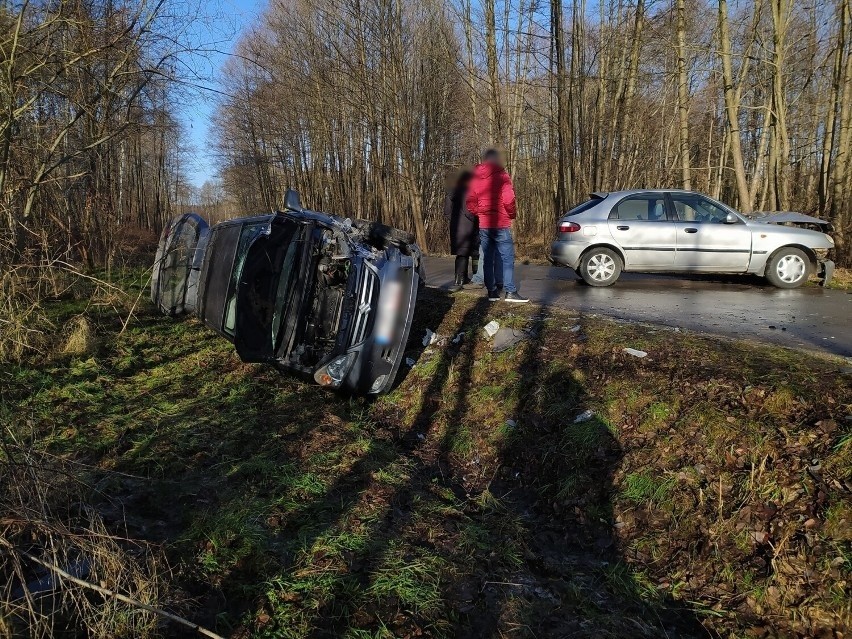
560	488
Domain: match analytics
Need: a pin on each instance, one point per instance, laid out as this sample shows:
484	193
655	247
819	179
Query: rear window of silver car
585	206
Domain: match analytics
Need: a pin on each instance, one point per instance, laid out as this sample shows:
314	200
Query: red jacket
491	197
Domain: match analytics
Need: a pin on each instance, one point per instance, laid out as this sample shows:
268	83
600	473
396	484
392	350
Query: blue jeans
499	249
479	276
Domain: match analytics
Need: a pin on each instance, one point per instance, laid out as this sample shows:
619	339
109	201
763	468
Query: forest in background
366	106
91	150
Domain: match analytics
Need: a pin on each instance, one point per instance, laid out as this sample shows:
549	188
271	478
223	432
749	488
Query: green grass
294	512
645	488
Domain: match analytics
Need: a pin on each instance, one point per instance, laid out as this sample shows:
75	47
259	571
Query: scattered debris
458	338
585	416
491	328
506	338
575	329
431	337
409	362
635	352
511	423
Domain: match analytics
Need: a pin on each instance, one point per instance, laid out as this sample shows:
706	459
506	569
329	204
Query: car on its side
329	298
683	231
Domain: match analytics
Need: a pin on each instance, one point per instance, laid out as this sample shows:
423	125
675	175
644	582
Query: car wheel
600	267
788	268
384	233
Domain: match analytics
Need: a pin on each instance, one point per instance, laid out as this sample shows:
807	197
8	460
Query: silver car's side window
698	210
646	208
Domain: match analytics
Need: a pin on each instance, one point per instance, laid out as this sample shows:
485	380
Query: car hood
791	217
771	235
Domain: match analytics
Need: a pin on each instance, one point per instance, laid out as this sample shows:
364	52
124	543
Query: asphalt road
740	307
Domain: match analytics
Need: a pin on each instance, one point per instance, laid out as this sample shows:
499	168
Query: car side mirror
292	201
731	219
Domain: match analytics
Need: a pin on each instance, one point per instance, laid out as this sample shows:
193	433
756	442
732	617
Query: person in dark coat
464	228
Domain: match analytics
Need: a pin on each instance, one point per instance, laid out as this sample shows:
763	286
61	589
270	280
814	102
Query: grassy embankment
713	486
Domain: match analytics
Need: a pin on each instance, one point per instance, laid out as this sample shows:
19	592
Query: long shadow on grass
543	561
526	545
555	478
385	553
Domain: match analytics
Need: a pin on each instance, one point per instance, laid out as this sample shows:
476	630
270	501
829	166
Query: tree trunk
732	108
683	98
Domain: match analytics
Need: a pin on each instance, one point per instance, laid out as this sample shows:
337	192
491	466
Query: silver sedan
683	231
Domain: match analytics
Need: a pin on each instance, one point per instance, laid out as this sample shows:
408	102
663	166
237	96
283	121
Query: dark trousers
461	269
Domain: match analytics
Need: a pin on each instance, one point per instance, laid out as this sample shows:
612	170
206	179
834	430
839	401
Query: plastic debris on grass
635	352
585	416
506	338
491	328
431	337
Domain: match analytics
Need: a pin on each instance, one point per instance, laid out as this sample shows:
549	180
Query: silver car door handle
623	228
690	230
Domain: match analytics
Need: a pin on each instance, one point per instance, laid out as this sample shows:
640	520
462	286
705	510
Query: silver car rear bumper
567	253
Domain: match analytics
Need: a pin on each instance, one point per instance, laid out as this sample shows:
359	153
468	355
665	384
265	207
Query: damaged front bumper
825	271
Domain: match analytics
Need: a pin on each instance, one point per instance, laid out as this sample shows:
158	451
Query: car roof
640	191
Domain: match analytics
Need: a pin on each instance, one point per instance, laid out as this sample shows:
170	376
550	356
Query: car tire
600	267
385	233
788	268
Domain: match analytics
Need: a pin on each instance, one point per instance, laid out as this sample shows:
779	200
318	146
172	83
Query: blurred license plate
388	312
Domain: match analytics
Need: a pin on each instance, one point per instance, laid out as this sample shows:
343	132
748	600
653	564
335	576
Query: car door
641	227
174	279
706	241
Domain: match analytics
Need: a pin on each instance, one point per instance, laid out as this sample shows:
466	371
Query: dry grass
46	526
81	338
842	279
29	325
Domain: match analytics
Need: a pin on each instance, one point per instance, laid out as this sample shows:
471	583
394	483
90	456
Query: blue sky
218	27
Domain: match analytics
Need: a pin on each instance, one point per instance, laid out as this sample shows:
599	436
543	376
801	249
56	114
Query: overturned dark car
325	297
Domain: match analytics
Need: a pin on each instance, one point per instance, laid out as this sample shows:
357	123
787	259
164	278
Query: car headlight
334	371
377	385
830	239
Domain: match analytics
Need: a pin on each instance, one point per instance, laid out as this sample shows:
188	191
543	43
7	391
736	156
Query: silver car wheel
601	267
791	268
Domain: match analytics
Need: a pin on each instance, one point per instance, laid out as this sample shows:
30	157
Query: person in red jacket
491	198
